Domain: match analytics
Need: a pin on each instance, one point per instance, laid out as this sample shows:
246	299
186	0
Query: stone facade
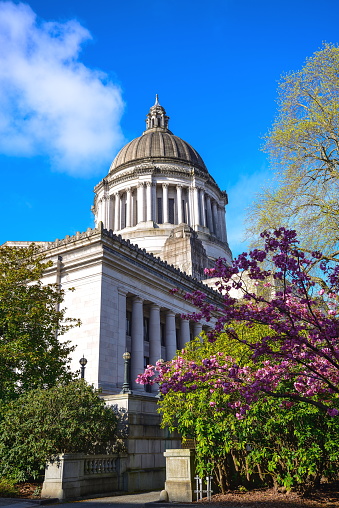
122	296
160	220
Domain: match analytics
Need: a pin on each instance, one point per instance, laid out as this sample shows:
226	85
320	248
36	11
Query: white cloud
50	103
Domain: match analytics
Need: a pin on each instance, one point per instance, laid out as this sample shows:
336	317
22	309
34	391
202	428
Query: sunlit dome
157	143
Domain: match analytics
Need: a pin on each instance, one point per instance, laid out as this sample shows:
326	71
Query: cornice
130	252
168	170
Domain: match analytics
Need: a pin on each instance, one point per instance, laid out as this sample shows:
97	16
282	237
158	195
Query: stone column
202	208
128	207
190	220
111	213
121	346
222	226
196	206
179	204
165	203
154	334
171	339
154	201
215	217
154	338
184	332
141	205
117	206
149	215
137	339
134	211
209	214
104	214
197	328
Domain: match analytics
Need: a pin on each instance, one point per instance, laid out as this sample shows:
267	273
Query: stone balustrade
73	475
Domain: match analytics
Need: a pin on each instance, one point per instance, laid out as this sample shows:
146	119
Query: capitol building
159	221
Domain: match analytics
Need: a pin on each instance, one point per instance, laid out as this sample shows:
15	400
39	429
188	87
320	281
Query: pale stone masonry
157	207
123	297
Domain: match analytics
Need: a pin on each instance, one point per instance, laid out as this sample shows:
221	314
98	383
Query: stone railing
100	465
71	475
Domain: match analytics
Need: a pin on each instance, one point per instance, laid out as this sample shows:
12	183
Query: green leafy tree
31	322
277	443
45	422
303	145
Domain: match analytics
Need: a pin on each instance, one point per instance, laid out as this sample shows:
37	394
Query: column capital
164	185
170	312
141	184
154	306
137	299
149	184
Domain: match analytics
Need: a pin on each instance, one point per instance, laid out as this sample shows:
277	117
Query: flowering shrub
278	443
296	360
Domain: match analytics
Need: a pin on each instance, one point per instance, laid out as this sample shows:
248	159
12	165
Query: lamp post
83	362
159	394
126	386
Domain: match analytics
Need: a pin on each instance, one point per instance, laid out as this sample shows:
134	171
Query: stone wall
146	442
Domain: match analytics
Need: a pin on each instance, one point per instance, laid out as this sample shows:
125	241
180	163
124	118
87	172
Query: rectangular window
123	215
171	210
177	334
163	334
146	329
159	210
135	213
184	212
128	323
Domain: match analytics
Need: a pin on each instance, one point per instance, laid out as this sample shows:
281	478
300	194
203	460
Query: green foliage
278	443
293	445
8	488
303	145
45	422
31	322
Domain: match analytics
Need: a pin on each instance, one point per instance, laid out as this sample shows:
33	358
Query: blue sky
77	78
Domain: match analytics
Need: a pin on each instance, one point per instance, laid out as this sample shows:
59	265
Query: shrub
43	423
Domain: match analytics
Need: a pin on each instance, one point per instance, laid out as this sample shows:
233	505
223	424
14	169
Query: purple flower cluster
297	359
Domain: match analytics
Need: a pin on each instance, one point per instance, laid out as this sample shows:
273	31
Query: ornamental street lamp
126	386
83	362
159	394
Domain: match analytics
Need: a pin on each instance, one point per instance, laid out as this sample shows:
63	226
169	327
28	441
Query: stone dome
157	142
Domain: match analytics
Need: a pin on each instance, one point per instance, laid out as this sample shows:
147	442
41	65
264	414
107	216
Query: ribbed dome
157	142
158	145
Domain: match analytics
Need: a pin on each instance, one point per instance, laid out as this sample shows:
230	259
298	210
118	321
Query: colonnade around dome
163	203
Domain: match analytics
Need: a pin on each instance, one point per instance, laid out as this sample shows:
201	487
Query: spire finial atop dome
157	118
